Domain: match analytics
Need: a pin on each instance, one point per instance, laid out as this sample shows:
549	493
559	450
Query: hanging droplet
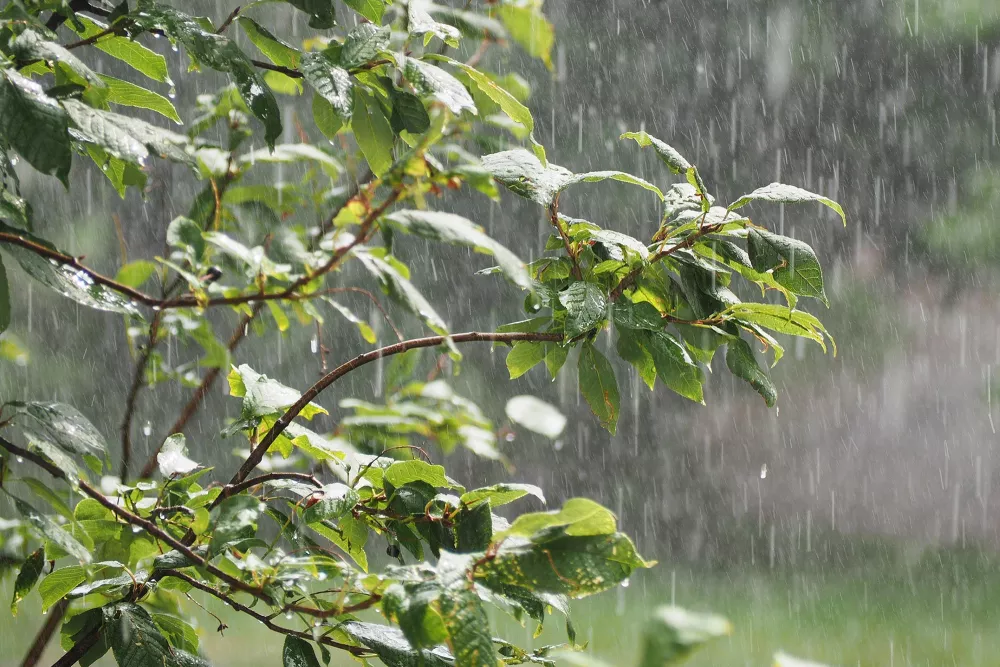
172	93
314	344
625	583
147	430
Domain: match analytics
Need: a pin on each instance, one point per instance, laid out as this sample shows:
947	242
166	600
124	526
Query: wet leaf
536	415
599	386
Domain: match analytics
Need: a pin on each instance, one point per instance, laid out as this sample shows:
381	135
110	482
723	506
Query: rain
857	522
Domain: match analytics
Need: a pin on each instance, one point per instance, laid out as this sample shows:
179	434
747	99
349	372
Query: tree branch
52	622
258	452
202	391
554	219
209	380
133	394
135	520
270	477
200	585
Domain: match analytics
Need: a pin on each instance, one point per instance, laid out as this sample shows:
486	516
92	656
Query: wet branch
133	394
257	454
202	586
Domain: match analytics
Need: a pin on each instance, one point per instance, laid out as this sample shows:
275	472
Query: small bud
213	274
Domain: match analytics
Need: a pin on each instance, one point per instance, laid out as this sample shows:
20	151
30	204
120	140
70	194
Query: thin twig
257	454
133	394
229	19
287	71
270	477
52	622
564	235
135	520
202	586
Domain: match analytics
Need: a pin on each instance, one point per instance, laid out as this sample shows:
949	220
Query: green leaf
27	576
63	425
298	652
372	132
455	229
637	316
599	386
524	174
743	364
536	415
672	634
420	22
578	516
130	52
333	501
408	113
795	264
263	396
178	632
400	288
135	274
509	104
332	82
364	43
34	125
674	365
4	299
131	95
779	193
431	81
370	9
528	27
781	319
172	458
53	533
55	586
631	350
501	494
325	116
277	51
393	648
468	627
235	519
524	356
407	472
134	638
126	138
221	54
585	304
577	566
668	154
322	14
30	45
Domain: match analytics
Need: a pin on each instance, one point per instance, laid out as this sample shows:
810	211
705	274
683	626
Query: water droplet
314	344
136	529
20	459
321	576
510	437
625	583
288	615
763	471
559	444
172	93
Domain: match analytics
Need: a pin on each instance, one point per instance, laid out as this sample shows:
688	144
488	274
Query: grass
942	609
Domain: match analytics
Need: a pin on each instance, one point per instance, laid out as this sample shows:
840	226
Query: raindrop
625	583
136	529
288	615
314	344
763	471
147	430
20	459
172	93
